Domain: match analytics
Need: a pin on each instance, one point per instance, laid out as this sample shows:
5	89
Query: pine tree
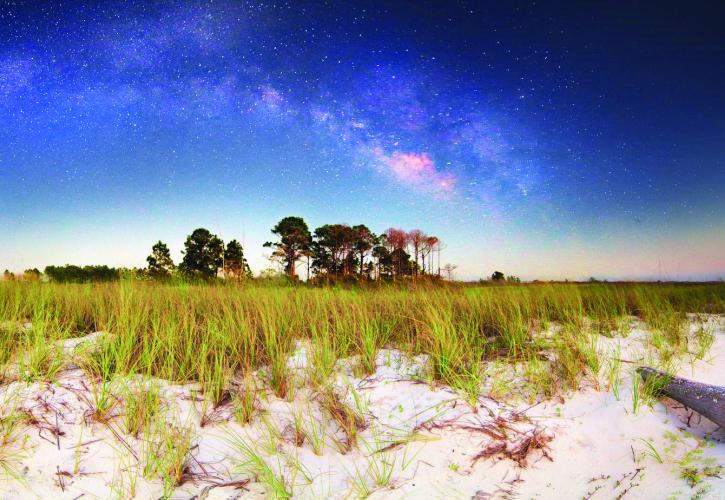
203	255
160	264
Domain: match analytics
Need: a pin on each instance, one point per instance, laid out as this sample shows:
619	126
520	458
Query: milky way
508	130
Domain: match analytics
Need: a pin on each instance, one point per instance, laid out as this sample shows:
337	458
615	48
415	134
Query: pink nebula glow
417	170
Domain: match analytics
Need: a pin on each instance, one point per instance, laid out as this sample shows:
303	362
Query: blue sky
539	139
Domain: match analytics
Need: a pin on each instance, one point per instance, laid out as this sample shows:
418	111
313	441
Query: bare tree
439	246
429	246
417	238
448	269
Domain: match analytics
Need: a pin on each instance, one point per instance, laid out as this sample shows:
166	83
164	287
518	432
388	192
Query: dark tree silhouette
397	242
160	265
203	255
76	274
332	249
363	241
383	262
235	265
294	242
401	261
417	238
340	250
497	276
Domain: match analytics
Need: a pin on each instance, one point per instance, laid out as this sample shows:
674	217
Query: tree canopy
203	255
333	252
160	265
32	274
235	265
77	274
294	242
363	241
341	251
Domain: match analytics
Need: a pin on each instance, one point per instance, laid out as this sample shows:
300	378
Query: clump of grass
349	421
277	341
379	471
296	428
245	401
96	359
253	463
513	325
367	345
380	460
576	355
455	352
40	357
214	377
40	364
315	431
166	452
648	391
9	463
11	447
125	476
501	381
373	332
215	374
650	450
103	401
100	400
636	393
272	439
668	326
588	350
9	334
704	338
538	373
324	353
615	366
142	404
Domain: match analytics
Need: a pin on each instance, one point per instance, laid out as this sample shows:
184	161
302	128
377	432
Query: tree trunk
707	400
291	260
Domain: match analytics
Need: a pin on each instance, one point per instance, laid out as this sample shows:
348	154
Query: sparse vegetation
209	334
166	452
11	445
252	462
243	345
142	404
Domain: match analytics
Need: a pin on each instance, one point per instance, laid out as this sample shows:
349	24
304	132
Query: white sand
596	448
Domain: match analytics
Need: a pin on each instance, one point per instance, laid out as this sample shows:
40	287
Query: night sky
542	140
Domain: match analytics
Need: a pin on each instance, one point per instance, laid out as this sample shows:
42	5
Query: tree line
205	257
340	251
332	252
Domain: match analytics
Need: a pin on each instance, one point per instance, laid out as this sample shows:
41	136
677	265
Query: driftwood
707	400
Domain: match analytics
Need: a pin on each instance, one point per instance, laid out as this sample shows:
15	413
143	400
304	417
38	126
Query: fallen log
707	400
